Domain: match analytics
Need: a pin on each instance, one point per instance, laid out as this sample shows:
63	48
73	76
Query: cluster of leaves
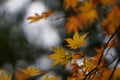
86	13
23	74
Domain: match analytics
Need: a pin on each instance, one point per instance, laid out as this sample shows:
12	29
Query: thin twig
108	51
90	73
117	30
112	61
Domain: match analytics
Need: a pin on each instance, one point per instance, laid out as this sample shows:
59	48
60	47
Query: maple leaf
37	17
71	3
60	56
111	23
88	64
26	73
4	76
75	68
88	11
77	55
77	41
50	78
73	24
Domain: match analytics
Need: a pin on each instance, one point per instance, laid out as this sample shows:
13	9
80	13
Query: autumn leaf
105	74
102	74
77	41
116	75
88	64
26	73
111	23
34	18
75	68
60	56
37	17
112	43
98	56
70	3
50	78
73	24
5	76
107	2
88	11
77	55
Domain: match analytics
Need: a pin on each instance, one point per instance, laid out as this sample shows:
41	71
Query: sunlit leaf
5	76
88	11
60	56
26	73
77	41
37	17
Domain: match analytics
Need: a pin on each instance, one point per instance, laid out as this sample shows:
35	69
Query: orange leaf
70	3
77	55
111	23
73	24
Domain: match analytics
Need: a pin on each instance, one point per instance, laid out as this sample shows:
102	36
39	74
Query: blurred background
23	44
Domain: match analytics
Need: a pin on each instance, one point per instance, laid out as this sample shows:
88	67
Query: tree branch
117	30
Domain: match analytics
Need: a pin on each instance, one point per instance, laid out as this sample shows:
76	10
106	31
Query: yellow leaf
88	11
34	18
60	56
26	73
77	41
37	17
4	76
107	2
116	75
50	78
88	64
